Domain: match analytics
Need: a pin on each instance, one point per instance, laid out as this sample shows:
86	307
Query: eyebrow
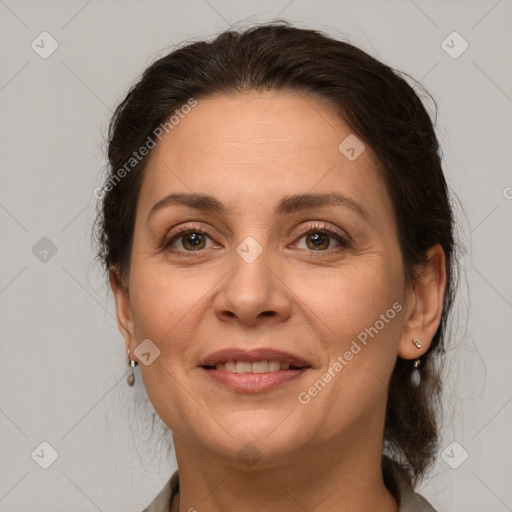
289	204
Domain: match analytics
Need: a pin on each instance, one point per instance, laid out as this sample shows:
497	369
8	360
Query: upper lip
253	355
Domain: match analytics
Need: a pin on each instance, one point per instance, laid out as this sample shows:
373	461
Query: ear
121	293
425	305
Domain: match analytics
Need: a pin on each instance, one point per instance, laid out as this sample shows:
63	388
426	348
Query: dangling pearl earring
415	375
131	376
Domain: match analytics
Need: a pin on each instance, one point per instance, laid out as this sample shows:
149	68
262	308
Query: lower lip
253	382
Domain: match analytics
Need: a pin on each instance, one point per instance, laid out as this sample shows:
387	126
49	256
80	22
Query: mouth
263	366
261	360
253	371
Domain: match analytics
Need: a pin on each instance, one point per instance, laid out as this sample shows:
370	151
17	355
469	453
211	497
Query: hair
380	107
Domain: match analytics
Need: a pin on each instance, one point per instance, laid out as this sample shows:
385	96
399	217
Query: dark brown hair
380	107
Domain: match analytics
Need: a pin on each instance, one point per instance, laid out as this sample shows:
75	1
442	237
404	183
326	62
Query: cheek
350	300
165	309
166	304
358	313
160	294
169	307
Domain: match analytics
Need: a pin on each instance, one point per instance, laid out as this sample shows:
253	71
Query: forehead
252	124
248	148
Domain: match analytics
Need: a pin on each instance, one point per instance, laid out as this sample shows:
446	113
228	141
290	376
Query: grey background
63	366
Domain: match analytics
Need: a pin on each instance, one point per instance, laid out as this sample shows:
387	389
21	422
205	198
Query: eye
185	240
318	237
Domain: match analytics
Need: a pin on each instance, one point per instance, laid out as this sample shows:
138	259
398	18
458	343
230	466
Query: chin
257	441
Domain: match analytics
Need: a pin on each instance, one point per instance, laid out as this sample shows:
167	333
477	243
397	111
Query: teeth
230	366
260	367
243	367
256	367
274	366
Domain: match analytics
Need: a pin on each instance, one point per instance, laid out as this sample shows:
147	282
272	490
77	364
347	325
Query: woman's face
266	271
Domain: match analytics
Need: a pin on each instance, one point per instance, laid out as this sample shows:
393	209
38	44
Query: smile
264	366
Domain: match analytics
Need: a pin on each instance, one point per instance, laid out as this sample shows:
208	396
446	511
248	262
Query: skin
250	150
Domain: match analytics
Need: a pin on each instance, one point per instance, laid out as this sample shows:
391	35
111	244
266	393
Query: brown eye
193	241
189	240
317	240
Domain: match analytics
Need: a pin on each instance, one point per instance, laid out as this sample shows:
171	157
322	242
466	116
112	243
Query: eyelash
173	235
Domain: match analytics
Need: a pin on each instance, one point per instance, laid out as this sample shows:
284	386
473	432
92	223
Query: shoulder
163	500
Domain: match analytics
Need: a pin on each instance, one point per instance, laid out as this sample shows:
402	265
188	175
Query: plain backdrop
63	365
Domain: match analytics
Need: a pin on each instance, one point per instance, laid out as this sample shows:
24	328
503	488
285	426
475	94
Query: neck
316	479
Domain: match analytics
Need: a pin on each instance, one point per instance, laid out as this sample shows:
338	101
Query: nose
253	292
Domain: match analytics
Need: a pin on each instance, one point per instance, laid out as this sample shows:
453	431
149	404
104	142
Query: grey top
410	501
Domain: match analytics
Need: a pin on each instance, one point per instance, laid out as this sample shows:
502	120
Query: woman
278	236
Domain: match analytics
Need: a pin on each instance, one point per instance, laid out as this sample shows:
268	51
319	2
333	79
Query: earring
416	375
131	376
